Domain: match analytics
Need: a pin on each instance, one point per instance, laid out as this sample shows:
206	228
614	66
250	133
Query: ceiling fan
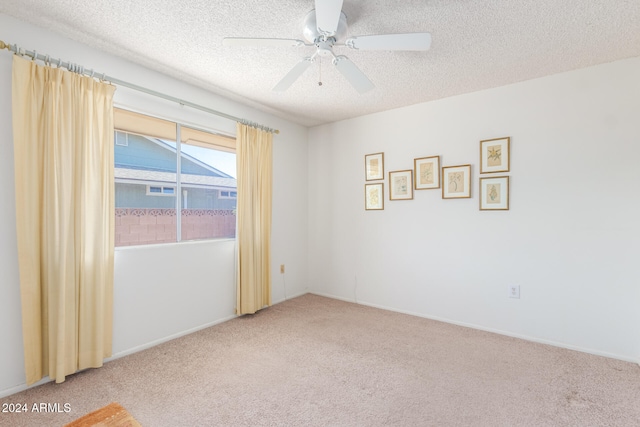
322	28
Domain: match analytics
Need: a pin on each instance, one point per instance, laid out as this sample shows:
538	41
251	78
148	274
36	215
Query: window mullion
178	183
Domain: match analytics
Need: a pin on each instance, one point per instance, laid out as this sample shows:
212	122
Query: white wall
167	290
570	238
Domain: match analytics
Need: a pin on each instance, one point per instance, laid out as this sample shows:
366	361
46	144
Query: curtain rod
91	73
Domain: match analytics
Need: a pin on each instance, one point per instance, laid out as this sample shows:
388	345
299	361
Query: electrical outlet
281	268
514	291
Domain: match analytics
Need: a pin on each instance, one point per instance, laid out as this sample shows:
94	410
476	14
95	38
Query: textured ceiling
477	44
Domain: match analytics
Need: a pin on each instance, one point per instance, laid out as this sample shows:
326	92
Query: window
226	194
154	203
122	138
153	190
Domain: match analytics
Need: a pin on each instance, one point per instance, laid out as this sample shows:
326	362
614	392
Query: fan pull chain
320	72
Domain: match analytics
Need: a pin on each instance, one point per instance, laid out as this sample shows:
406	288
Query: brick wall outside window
138	226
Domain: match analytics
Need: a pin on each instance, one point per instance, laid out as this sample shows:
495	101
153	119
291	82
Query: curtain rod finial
3	45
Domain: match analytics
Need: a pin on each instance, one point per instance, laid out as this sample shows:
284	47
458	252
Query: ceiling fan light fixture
322	27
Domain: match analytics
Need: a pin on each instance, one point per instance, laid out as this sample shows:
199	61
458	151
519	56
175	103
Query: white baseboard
168	338
23	387
492	330
183	333
299	294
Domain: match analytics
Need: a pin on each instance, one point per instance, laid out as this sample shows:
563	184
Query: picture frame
495	155
374	196
401	185
494	193
374	166
426	172
456	182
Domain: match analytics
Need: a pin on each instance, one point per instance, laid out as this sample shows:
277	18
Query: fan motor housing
310	28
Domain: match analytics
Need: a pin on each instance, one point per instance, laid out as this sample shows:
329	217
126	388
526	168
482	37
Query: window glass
145	181
151	203
205	172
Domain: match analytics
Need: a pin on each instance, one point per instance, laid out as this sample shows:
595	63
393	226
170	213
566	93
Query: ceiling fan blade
353	74
328	16
243	41
293	75
411	41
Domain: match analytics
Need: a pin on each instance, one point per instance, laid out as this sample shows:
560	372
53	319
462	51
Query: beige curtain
63	147
254	160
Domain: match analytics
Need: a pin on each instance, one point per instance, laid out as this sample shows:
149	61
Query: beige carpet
313	361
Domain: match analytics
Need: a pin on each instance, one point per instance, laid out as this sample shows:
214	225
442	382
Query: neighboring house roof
151	161
138	176
151	154
189	162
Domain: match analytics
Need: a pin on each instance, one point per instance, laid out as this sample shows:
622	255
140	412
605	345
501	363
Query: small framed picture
494	155
494	193
456	182
427	172
401	185
374	166
374	197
